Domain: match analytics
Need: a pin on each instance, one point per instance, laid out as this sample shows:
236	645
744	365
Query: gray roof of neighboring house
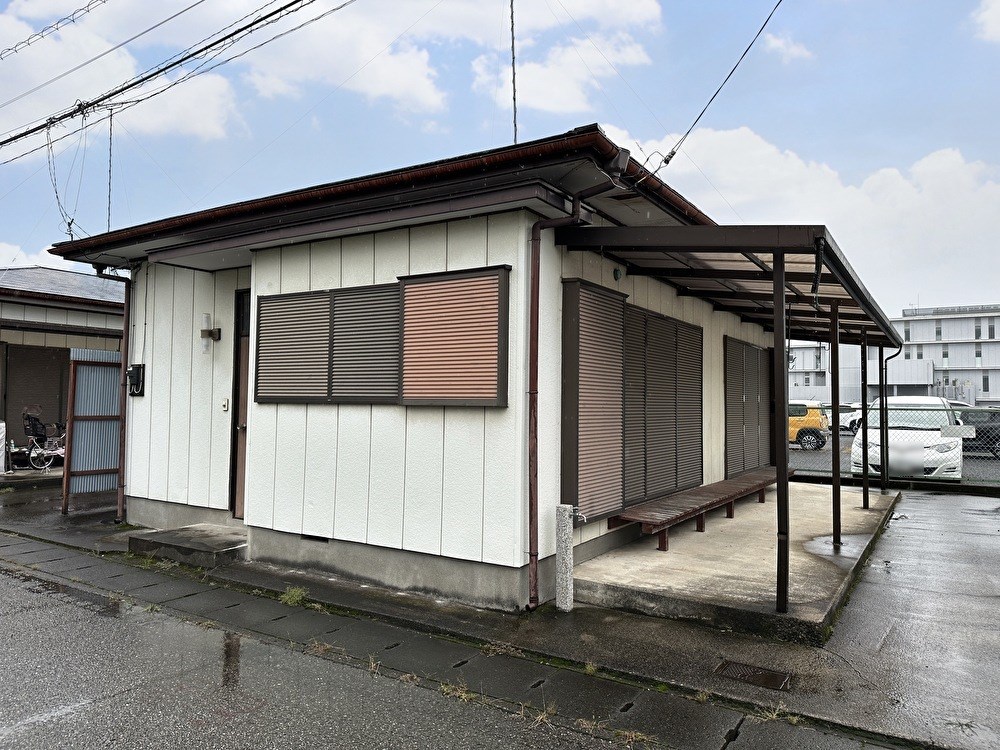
53	282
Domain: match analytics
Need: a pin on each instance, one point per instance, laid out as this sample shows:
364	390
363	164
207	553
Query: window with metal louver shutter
690	364
293	348
454	344
635	405
365	360
748	406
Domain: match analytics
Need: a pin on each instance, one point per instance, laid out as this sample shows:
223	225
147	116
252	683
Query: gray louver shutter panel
764	409
293	347
661	413
734	406
366	344
751	426
635	405
599	458
689	406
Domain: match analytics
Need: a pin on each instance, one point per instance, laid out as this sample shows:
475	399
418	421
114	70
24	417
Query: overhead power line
85	106
51	28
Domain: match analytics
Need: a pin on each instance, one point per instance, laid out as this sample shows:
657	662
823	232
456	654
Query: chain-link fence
927	439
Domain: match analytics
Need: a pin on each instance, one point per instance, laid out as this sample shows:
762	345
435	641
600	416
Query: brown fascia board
585	142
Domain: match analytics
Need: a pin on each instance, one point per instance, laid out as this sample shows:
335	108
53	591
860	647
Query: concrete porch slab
725	576
203	545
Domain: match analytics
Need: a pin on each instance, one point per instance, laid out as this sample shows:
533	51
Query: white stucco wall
439	480
178	432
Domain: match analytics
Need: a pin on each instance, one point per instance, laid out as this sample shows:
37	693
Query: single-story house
44	313
400	377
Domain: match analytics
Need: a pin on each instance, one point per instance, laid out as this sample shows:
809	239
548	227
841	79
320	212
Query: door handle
241	427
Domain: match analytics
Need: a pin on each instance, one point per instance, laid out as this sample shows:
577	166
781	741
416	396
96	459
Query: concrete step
204	545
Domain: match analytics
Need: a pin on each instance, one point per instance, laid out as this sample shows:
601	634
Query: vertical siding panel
358	267
322	458
158	380
572	264
37	314
73	317
462	497
467	243
592	267
504	441
290	459
262	435
59	316
202	407
353	472
388	461
244	277
181	326
223	354
549	384
424	468
392	255
428	248
16	312
140	435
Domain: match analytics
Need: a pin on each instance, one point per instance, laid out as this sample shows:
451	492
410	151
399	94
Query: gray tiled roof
54	281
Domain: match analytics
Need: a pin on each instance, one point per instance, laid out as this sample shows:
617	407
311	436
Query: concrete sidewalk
871	679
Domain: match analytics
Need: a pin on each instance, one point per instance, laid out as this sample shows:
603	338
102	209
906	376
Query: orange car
807	424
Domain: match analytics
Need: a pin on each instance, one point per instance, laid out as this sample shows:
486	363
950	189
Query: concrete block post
564	558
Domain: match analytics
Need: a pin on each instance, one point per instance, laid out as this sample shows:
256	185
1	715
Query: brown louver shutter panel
661	410
366	344
293	347
751	426
454	340
764	408
734	378
599	459
689	406
635	405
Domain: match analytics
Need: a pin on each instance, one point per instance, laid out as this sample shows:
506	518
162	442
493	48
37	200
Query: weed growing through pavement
152	608
591	725
773	713
409	679
701	696
590	668
294	596
457	690
631	738
502	649
321	648
373	666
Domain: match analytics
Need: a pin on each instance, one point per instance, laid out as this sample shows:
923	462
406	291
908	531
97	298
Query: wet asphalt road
85	670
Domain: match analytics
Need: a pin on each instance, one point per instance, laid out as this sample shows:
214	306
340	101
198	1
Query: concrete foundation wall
157	514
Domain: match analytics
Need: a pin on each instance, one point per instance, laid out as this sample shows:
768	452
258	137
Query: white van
921	443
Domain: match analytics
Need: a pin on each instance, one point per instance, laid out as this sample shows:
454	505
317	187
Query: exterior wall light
207	332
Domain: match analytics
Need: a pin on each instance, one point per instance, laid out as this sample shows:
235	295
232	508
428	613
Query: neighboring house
45	312
372	378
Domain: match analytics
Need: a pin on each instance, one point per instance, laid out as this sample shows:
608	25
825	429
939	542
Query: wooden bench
657	516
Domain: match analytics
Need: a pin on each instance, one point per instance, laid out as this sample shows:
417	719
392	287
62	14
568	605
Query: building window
945	377
979	355
806	380
906	353
906	331
920	351
986	382
991	331
937	330
944	354
979	328
454	344
819	361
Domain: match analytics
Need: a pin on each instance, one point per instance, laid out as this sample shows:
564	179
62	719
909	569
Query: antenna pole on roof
513	68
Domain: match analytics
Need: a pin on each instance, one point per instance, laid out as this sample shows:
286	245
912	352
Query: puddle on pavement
844	556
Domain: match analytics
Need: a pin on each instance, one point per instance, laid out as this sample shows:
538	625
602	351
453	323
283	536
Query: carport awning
731	267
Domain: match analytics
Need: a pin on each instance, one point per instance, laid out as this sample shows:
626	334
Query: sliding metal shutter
365	363
764	408
734	377
661	412
689	406
635	405
455	339
293	347
751	420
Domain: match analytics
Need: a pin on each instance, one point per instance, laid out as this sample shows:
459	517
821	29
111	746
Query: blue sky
875	117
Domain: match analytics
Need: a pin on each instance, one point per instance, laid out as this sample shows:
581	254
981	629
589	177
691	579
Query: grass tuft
294	596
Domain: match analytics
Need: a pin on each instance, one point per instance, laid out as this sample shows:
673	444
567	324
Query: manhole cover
755	675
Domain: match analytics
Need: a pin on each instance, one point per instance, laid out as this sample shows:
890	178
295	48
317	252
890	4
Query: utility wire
82	107
51	28
94	59
513	68
680	142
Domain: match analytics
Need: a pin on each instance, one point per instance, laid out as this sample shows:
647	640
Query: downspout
123	376
884	416
533	315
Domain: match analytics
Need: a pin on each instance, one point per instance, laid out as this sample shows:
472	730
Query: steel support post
835	426
883	423
864	419
781	427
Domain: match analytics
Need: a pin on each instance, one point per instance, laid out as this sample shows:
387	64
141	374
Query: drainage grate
755	675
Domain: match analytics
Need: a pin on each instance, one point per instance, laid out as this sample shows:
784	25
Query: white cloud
921	229
565	80
987	18
12	256
787	49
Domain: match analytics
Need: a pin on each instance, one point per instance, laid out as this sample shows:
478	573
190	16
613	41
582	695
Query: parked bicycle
46	442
